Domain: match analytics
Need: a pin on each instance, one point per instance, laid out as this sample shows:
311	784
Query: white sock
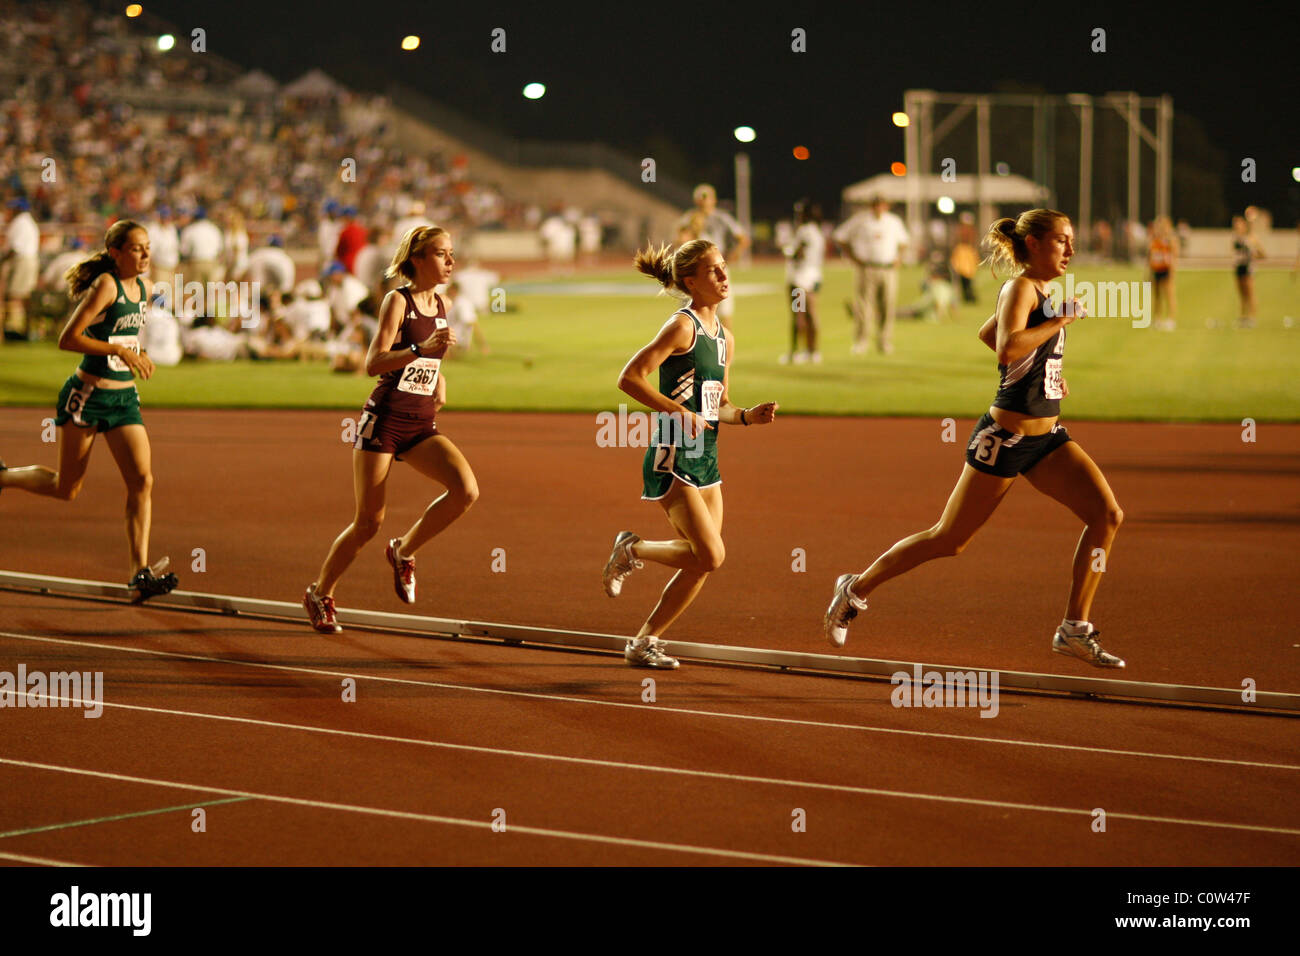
857	602
1076	628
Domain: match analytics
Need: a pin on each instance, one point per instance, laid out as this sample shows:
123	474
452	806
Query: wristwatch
415	349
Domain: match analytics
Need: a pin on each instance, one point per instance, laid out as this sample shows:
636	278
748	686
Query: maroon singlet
408	391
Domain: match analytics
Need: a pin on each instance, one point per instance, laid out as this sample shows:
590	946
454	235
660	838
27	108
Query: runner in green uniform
692	353
101	396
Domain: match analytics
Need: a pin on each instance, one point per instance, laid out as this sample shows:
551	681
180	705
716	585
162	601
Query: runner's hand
695	425
763	414
139	363
440	339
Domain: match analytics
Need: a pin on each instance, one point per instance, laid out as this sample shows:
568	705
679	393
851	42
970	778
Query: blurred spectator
707	221
200	249
803	275
21	266
1162	256
939	299
164	245
371	261
874	240
327	233
352	237
235	244
462	316
589	233
161	336
272	269
559	238
965	262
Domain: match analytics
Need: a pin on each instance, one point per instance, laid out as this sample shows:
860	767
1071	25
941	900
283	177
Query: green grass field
563	353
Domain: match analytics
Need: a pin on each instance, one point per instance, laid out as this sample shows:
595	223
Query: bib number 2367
419	377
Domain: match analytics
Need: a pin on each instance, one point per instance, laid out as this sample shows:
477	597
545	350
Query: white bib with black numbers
420	376
132	342
710	400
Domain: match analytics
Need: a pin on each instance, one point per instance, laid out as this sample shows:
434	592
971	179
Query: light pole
744	134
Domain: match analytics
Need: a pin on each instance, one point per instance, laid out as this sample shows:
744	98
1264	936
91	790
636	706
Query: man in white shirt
200	248
272	269
874	241
561	240
164	246
23	238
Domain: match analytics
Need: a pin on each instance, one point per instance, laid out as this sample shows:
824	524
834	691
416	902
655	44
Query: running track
246	718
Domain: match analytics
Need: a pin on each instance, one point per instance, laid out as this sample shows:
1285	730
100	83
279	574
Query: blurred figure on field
234	244
1102	238
1245	250
19	271
874	240
965	261
1162	256
272	269
350	334
352	239
52	288
560	239
371	262
803	275
939	300
589	234
707	221
200	249
164	245
162	332
327	233
462	316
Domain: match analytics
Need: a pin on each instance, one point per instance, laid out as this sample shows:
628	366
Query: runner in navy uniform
112	299
398	422
1018	435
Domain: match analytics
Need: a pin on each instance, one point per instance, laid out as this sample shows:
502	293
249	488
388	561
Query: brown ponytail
1005	240
669	268
83	275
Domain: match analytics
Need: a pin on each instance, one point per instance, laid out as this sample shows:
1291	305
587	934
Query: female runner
105	327
1245	250
397	422
693	354
1020	434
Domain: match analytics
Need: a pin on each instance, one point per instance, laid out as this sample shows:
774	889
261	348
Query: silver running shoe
1084	647
841	612
621	563
648	652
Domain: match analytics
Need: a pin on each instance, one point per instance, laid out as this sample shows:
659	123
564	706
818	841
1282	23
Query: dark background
672	80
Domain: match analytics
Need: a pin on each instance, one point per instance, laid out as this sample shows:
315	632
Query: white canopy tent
313	85
967	188
254	83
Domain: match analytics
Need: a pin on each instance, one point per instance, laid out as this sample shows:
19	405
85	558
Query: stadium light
1003	169
535	91
898	169
946	205
1295	173
410	42
745	134
902	119
134	10
166	42
801	152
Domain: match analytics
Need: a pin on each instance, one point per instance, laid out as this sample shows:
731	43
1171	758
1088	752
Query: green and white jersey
694	379
121	323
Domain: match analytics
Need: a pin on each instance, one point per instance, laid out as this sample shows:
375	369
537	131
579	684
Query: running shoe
320	608
648	652
148	583
621	563
403	572
1084	647
841	612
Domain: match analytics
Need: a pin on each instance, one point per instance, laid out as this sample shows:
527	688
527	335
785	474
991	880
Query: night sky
673	80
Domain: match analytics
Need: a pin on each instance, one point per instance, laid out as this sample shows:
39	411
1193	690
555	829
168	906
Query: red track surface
1199	591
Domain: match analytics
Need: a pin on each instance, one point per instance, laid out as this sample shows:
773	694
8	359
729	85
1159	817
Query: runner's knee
139	485
709	556
67	488
946	543
367	526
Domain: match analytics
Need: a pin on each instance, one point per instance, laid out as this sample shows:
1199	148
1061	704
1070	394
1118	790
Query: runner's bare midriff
1022	424
102	383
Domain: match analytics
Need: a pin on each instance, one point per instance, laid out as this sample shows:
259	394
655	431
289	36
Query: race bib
132	342
420	376
1052	379
710	400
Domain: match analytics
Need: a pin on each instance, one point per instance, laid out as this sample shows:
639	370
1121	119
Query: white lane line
38	860
432	818
706	774
664	708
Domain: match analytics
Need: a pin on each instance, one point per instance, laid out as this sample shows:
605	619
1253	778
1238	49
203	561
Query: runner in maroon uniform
397	422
